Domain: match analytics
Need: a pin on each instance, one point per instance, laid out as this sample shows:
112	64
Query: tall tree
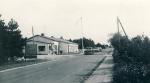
3	57
11	40
15	41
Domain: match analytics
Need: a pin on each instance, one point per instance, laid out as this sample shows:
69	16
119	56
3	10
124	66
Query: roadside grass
15	64
87	75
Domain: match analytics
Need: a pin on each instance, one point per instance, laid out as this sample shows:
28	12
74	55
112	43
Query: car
88	51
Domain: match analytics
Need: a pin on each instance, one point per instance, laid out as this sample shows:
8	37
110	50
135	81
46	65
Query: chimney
52	36
61	37
42	34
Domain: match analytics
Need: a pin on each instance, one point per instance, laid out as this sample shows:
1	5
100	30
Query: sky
62	17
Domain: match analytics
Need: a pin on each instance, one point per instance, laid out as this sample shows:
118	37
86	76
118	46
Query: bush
131	59
127	73
31	56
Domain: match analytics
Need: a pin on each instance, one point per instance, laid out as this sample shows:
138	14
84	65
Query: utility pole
34	46
119	22
33	34
82	36
118	25
118	31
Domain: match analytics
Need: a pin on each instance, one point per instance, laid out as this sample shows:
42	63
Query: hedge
131	59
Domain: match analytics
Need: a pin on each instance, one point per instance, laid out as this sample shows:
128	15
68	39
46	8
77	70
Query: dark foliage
103	46
11	41
86	42
131	59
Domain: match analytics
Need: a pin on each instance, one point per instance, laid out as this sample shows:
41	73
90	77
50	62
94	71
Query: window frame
42	49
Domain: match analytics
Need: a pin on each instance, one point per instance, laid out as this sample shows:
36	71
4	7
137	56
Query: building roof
53	38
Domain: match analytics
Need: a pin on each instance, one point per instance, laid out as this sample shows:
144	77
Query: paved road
68	70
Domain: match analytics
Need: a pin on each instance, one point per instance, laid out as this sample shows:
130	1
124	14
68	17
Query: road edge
89	74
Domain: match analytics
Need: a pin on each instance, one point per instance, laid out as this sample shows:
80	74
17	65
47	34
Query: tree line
11	41
88	43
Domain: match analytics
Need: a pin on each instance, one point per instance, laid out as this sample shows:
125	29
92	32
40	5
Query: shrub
131	59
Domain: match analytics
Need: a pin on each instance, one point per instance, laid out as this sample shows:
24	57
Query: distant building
42	45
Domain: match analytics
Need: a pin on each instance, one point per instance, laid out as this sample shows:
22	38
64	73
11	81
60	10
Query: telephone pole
33	34
119	22
118	31
82	36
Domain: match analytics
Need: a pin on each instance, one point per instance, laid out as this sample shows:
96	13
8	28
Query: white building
42	45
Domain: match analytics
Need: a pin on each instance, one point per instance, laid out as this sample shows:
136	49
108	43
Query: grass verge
87	76
10	65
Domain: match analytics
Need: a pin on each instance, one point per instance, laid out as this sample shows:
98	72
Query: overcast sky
62	17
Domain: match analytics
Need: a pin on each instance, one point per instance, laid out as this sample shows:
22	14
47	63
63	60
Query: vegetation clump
131	59
11	41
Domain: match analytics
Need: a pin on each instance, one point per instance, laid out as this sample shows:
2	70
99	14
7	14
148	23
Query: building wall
31	49
55	47
46	51
52	46
38	44
68	48
73	48
63	48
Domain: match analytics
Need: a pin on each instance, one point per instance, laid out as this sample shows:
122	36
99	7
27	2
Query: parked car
88	51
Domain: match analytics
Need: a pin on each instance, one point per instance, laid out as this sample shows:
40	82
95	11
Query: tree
70	40
103	46
11	40
15	41
3	57
86	42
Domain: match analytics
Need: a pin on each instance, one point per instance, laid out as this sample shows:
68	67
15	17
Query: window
50	47
41	48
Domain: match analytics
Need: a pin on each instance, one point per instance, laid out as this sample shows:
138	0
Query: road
67	70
